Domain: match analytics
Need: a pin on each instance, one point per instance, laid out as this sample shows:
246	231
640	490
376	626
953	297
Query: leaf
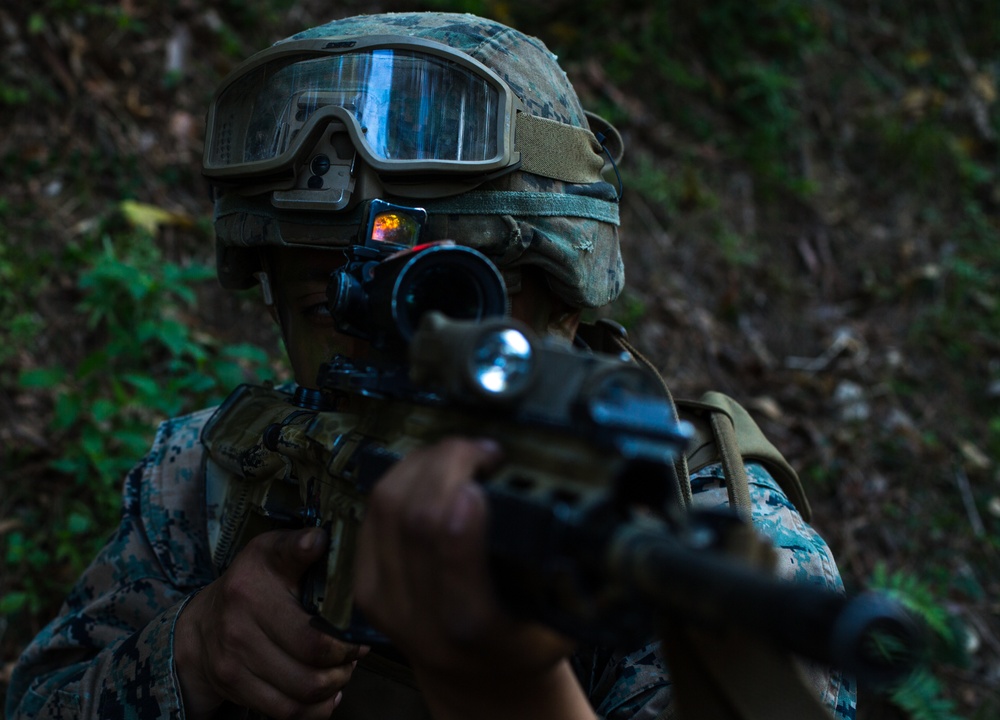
150	217
134	442
78	523
15	548
68	466
103	409
41	378
247	352
12	602
93	444
146	386
96	363
67	411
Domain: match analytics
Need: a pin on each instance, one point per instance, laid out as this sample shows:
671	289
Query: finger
258	658
403	512
290	628
378	561
271	701
463	570
301	684
278	610
416	515
427	495
289	553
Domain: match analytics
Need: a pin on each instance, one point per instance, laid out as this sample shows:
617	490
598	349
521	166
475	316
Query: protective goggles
409	106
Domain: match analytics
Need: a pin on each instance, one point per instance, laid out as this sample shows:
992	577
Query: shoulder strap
609	337
726	433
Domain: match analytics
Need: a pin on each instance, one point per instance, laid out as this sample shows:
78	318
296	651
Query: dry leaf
151	217
975	457
985	87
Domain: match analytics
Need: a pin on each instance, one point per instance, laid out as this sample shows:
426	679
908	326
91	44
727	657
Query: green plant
148	364
628	310
921	694
18	320
920	697
144	363
671	190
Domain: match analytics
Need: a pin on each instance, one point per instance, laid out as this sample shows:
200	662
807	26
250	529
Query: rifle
586	533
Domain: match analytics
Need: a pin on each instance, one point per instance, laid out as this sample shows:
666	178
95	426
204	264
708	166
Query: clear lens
408	106
502	362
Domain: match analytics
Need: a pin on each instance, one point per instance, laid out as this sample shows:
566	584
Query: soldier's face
299	278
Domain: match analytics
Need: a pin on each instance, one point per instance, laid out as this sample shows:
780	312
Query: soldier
476	123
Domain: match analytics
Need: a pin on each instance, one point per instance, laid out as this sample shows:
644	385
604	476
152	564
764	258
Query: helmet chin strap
265	287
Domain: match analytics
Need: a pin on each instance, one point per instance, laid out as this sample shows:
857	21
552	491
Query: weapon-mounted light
502	362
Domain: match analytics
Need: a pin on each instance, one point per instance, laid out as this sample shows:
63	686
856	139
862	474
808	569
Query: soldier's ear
545	312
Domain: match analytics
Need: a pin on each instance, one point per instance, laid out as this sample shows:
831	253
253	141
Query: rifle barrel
870	635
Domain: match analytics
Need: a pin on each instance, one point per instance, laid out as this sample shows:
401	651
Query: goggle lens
406	106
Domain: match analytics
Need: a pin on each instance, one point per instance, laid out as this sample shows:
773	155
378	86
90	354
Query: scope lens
502	361
455	294
455	281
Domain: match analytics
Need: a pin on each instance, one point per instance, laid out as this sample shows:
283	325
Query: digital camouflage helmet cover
465	117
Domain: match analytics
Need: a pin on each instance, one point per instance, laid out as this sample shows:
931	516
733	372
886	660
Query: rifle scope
391	280
383	300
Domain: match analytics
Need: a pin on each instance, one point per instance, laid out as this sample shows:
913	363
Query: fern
920	695
917	597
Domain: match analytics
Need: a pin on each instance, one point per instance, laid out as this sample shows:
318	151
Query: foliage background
810	221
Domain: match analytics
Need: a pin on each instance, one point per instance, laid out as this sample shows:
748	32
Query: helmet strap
265	287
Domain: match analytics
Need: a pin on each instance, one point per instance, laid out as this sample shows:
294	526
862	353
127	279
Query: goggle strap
555	150
485	202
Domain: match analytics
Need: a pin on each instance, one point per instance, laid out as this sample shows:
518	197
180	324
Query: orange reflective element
395	228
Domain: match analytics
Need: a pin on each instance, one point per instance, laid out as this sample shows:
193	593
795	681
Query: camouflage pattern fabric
579	255
636	684
523	62
109	654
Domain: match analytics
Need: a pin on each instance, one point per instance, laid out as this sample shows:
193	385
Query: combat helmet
465	117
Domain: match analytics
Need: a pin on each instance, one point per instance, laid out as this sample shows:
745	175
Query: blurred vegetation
810	223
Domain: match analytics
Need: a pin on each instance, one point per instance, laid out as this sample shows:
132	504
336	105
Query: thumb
291	552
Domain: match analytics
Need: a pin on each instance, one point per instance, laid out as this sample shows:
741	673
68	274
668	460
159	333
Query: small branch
965	490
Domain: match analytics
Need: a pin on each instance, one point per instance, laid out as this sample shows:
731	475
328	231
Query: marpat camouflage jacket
109	653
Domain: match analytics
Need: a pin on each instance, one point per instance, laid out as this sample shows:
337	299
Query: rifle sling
609	337
726	433
725	675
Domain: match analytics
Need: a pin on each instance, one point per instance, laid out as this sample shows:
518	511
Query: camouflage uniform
109	654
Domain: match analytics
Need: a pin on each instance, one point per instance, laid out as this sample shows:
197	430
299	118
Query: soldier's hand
246	638
423	580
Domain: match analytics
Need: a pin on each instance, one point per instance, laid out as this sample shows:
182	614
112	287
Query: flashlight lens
502	362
